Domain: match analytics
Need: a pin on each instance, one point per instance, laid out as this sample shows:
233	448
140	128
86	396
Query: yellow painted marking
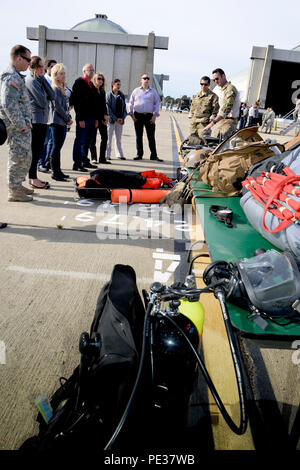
219	364
218	358
178	140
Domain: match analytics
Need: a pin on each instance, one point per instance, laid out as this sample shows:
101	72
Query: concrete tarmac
56	257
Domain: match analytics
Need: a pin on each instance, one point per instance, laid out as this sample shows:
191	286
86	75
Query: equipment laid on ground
195	148
267	285
147	186
138	368
197	143
223	214
272	201
145	196
223	168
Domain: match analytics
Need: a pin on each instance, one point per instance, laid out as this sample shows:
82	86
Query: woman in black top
116	107
99	82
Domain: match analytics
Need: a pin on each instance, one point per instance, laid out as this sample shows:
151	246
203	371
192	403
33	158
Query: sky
202	35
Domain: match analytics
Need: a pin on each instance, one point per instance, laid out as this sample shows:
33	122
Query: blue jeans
45	155
58	134
253	121
83	141
243	122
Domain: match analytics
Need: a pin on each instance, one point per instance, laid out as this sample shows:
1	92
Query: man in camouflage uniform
15	111
268	120
204	108
225	124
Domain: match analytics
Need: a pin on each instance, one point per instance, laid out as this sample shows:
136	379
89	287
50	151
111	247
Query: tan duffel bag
225	171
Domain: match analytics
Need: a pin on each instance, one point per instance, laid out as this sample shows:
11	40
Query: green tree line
172	100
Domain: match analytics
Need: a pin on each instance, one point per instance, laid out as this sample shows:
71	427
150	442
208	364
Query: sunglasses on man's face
146	78
216	79
203	84
26	58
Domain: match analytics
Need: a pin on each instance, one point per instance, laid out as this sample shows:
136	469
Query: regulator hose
233	347
241	428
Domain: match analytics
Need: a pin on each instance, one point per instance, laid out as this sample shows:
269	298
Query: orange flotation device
152	183
154	174
147	196
83	180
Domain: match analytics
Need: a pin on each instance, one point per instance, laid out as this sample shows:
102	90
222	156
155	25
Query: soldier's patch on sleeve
13	90
15	85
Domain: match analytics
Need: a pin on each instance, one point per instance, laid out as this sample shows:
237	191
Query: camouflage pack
225	171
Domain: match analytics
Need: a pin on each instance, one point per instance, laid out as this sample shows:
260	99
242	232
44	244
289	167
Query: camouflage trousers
196	128
268	125
19	157
226	127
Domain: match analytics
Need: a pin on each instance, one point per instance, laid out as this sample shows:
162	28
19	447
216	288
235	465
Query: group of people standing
220	113
94	110
250	116
36	113
33	110
50	112
215	112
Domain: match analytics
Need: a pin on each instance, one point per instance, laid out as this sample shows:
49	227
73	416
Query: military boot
26	190
18	196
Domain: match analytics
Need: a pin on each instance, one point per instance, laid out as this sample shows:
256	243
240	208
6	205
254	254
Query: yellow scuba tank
194	311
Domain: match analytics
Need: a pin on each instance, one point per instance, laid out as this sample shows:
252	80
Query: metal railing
291	125
289	114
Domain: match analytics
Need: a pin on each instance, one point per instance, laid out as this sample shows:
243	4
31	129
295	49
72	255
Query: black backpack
88	406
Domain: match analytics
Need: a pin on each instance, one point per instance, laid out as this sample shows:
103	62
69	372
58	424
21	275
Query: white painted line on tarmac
63	218
71	274
166	256
158	265
172	267
160	256
2	353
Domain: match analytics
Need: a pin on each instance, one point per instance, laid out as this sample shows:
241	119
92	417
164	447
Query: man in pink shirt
144	109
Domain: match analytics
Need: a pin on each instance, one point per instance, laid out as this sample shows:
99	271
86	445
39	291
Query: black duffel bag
88	405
